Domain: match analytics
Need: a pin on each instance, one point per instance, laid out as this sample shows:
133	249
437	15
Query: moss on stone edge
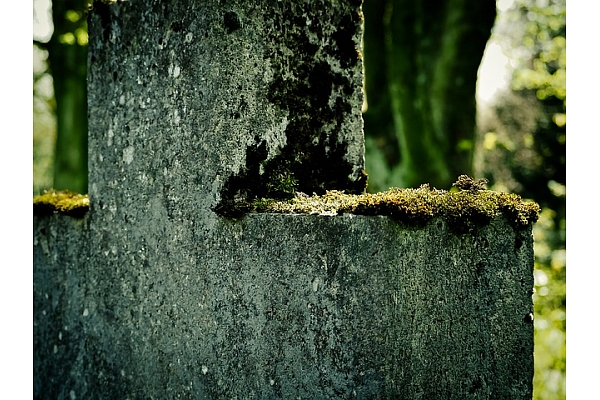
63	202
463	209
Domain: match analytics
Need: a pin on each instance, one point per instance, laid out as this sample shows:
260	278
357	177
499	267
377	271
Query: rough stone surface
152	295
225	99
279	307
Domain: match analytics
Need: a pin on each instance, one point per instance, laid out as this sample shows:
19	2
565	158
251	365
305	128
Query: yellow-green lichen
463	209
63	202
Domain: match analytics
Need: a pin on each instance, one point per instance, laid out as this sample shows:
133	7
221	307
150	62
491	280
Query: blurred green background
433	111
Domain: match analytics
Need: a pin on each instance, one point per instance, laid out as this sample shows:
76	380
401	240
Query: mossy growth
63	202
465	207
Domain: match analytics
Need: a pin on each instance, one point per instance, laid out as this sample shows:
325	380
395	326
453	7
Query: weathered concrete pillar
156	292
221	100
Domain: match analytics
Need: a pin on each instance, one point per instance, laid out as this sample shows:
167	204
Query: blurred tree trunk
378	119
426	75
67	56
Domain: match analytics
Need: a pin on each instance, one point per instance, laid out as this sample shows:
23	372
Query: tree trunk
378	119
68	61
433	52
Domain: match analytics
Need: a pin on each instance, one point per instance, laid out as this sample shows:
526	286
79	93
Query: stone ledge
462	209
62	202
281	306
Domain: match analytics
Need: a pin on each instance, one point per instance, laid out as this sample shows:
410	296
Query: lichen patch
63	202
464	209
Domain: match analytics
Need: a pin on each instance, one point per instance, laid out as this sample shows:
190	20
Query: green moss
63	202
464	209
282	185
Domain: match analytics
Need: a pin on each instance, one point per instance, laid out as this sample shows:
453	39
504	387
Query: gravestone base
279	307
197	105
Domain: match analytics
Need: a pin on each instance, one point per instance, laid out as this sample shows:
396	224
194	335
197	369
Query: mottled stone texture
152	295
216	100
281	307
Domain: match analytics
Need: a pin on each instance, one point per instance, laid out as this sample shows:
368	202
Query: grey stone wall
281	306
217	100
154	295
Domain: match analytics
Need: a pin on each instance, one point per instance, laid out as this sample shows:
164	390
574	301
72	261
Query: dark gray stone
152	295
220	100
282	306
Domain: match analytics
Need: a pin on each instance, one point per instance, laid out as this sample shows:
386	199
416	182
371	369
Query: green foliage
545	37
549	306
522	149
62	121
283	185
44	122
